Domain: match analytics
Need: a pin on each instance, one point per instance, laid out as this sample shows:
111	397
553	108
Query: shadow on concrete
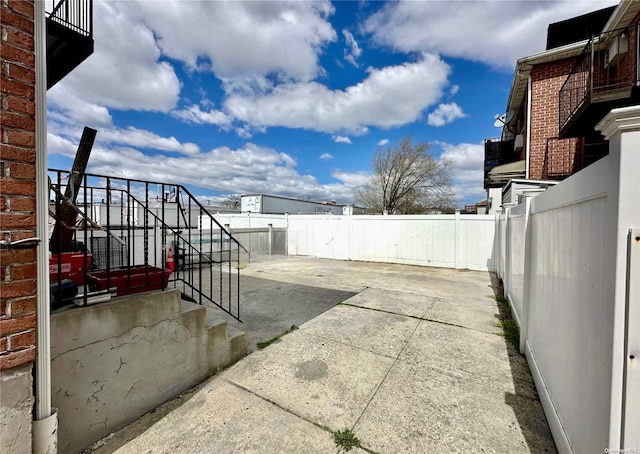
531	418
269	308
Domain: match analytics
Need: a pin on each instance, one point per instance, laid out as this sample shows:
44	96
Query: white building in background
272	204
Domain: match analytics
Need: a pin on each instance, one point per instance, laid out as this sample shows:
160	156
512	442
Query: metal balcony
604	77
69	37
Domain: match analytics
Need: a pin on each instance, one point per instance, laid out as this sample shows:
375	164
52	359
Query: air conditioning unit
518	143
618	47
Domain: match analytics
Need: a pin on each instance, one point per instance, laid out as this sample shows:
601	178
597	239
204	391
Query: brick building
559	95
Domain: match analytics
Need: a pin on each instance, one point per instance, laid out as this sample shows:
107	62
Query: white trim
618	120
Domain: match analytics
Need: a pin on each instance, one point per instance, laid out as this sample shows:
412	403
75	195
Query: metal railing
129	236
598	71
562	158
74	14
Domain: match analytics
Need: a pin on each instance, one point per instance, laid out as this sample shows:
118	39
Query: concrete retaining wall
113	362
16	402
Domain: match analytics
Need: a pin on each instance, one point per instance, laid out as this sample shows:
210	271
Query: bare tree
232	201
407	180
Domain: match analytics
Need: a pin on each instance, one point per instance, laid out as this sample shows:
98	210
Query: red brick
19	170
23	306
14	359
14	153
21	105
22	340
19	272
14	120
3	203
14	87
18	289
19	38
18	324
23	234
23	204
18	187
3	344
19	138
24	7
9	52
17	221
3	307
12	256
17	72
17	18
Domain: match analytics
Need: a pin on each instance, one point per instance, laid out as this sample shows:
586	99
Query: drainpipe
528	146
45	424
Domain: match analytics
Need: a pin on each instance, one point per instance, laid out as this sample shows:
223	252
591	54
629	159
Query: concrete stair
226	344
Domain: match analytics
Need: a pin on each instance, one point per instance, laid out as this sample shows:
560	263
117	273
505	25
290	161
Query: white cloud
248	169
326	156
341	139
383	142
454	89
353	51
193	114
237	38
386	98
468	162
445	114
493	32
124	71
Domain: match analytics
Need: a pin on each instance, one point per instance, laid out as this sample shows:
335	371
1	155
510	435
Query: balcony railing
74	14
497	152
605	71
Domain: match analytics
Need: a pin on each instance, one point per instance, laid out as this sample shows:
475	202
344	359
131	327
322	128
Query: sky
293	98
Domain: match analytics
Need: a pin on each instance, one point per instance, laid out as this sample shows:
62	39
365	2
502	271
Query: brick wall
549	157
17	183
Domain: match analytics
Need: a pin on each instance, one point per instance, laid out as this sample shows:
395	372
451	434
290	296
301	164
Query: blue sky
293	98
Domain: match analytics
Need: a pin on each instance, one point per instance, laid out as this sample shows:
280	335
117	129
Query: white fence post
524	318
631	403
457	241
622	128
270	240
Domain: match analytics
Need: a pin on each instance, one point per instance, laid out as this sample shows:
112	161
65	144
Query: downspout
528	146
45	424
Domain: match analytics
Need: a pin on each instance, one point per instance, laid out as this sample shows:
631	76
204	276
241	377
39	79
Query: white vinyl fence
570	262
452	241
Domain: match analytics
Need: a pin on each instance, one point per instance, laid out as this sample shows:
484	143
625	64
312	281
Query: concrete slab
478	315
404	303
268	307
420	409
402	384
243	423
477	357
372	330
323	381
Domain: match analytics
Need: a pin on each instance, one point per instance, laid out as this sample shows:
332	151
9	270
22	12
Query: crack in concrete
94	394
122	363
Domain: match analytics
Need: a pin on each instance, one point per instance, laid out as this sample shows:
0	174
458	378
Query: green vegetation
262	345
510	329
346	439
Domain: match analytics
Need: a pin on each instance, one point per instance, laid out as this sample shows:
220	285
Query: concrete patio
411	363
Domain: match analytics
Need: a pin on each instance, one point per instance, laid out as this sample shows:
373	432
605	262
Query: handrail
130	210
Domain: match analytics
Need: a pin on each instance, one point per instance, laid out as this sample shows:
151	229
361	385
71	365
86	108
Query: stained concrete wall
16	402
113	362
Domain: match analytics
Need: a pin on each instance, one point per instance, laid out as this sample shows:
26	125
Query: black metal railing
122	236
74	14
603	71
497	152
